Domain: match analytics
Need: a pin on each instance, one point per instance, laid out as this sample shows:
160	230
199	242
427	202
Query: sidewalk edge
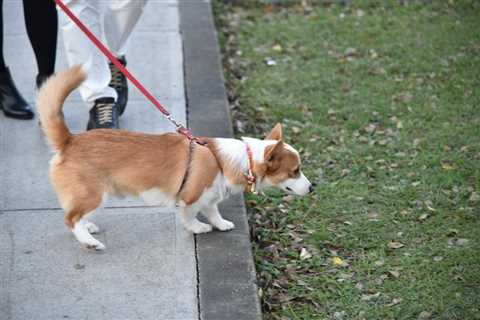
226	271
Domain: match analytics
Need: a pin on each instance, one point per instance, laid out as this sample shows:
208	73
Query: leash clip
182	130
251	181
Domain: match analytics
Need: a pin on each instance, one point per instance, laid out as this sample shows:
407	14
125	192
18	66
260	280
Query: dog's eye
296	172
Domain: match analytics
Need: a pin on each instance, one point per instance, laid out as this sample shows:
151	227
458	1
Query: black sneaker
119	83
103	115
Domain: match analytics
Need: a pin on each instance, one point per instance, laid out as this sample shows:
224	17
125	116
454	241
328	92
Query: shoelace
117	77
104	112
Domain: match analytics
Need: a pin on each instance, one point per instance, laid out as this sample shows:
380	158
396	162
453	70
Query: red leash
179	127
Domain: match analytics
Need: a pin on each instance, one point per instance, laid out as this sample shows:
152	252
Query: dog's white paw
92	228
200	227
224	225
94	245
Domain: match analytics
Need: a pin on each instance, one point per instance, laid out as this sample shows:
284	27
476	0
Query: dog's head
282	166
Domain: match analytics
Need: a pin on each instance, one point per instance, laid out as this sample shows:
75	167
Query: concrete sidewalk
152	268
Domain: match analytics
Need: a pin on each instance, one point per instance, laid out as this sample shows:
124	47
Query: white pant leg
80	50
121	17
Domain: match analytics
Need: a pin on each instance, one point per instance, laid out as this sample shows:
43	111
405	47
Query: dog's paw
92	228
200	228
97	246
224	225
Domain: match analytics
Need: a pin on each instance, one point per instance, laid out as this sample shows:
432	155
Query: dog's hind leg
75	219
81	232
91	227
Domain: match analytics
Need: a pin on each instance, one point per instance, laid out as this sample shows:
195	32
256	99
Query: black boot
103	115
119	83
11	101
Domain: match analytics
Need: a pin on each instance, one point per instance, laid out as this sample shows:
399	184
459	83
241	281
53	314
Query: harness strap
251	178
191	147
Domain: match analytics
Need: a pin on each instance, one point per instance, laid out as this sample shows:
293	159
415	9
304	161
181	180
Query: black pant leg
2	60
41	21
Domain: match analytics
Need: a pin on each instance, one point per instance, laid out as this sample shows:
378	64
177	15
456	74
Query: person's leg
11	101
120	20
95	91
2	59
80	50
41	22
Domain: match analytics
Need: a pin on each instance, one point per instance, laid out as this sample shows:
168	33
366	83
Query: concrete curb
226	273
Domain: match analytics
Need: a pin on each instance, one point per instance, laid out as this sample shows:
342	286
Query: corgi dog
162	169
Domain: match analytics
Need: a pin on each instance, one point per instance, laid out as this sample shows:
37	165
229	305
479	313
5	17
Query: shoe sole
90	126
121	109
16	116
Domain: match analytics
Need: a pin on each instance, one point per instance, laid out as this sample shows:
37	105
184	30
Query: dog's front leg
188	215
215	218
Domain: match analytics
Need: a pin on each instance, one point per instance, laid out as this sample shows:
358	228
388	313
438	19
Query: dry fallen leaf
428	204
462	242
269	8
368	297
372	216
344	276
260	292
423	216
360	13
394	273
359	286
277	48
424	315
337	261
379	263
447	165
395	302
304	254
339	315
403	97
344	172
474	197
289	198
395	245
351	52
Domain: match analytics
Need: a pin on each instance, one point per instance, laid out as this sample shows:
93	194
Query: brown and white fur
92	164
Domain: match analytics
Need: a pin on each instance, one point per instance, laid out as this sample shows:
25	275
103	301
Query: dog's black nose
311	188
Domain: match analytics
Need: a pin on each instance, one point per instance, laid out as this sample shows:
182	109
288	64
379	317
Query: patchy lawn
383	102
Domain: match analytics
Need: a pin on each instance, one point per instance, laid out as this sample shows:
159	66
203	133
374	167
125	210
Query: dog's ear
276	133
272	154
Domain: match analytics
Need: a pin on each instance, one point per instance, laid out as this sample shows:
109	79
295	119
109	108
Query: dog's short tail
50	101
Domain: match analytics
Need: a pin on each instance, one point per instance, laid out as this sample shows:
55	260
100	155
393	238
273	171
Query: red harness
179	127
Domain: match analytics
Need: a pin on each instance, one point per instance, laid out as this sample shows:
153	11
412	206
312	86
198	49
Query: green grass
383	102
